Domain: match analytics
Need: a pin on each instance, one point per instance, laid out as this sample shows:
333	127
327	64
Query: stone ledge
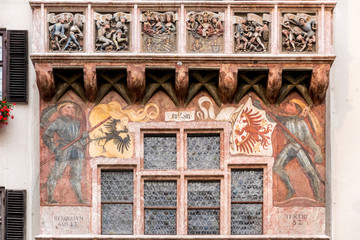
175	237
151	59
188	3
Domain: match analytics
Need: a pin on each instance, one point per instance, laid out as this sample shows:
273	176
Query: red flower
14	104
1	117
12	117
5	118
4	101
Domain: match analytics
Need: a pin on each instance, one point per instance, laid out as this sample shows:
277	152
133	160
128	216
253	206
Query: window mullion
181	220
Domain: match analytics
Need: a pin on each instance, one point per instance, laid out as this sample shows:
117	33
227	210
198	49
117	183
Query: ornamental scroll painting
252	32
205	32
110	136
159	32
63	155
112	31
299	32
66	31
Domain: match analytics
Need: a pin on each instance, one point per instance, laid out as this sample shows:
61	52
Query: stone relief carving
252	32
205	32
159	32
65	30
299	32
112	31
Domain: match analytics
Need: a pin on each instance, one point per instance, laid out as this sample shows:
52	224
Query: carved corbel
227	82
319	83
136	81
45	80
90	82
274	83
181	83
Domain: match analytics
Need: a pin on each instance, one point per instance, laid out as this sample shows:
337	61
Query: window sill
175	237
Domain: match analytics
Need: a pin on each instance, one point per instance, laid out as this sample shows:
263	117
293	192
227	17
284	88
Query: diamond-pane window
203	207
203	151
160	151
246	201
117	190
160	202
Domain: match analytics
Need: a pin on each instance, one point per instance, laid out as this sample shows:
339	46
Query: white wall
345	117
19	141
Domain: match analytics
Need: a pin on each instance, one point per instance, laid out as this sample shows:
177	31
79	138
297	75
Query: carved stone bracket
181	83
90	82
227	82
136	81
45	80
274	83
319	83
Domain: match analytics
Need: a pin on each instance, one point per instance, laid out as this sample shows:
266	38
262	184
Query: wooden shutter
2	213
15	202
17	66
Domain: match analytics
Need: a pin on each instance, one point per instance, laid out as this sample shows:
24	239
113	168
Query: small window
117	191
160	202
246	201
160	152
203	151
203	207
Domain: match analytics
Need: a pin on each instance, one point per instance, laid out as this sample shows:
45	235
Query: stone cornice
171	59
208	4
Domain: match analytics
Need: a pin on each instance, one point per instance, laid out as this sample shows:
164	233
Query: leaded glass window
203	207
160	152
246	201
203	151
117	191
160	202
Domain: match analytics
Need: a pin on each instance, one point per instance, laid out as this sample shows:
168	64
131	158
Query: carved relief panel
112	31
66	31
252	32
205	32
299	32
159	32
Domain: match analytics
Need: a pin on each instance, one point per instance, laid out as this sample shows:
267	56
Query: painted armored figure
308	32
289	34
300	142
75	33
67	128
104	35
57	32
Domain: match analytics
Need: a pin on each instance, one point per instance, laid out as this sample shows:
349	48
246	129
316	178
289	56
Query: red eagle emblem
251	131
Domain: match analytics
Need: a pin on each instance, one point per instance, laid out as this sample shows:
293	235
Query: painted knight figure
65	31
159	32
66	139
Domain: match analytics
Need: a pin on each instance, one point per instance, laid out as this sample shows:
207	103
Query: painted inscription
68	221
180	116
296	219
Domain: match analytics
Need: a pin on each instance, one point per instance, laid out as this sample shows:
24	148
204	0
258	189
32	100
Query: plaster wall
19	141
344	116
